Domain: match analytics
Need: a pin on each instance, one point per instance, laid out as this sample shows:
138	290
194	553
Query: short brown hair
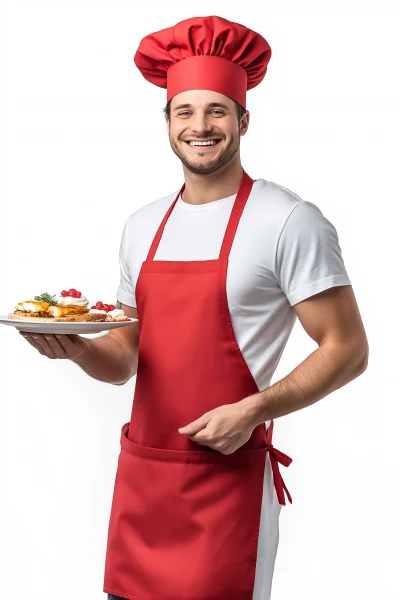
239	108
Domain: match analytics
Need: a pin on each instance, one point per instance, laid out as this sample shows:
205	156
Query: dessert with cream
70	305
108	309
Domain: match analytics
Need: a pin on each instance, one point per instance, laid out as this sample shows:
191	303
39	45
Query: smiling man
216	273
205	149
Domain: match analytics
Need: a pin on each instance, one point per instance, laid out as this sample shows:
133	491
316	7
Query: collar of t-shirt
215	204
205	206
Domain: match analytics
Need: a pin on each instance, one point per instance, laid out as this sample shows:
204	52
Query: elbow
362	359
125	380
364	366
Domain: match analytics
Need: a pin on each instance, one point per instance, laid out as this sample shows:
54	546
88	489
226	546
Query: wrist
85	346
253	410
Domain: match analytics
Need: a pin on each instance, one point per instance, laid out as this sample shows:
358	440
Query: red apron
185	518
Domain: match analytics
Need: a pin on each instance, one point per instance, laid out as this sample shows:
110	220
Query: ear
244	123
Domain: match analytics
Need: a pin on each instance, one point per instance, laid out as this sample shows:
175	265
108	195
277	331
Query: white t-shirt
284	251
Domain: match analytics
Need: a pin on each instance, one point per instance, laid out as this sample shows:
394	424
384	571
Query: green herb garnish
47	298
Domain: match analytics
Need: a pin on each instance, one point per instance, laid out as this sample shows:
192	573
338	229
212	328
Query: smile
203	145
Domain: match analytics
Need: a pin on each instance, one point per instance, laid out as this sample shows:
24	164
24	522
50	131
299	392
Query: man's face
203	118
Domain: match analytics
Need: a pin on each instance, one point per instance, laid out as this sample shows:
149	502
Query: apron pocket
184	525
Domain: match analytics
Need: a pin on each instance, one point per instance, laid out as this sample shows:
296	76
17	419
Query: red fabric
185	518
209	53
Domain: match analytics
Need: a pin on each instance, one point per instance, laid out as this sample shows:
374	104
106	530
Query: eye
185	112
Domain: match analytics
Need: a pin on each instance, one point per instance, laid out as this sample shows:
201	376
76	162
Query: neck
200	189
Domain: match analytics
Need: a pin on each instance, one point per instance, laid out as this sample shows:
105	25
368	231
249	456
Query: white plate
64	326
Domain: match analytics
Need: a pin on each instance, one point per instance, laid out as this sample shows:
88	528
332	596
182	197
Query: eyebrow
210	105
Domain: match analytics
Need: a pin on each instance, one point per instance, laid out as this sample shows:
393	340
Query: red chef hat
204	53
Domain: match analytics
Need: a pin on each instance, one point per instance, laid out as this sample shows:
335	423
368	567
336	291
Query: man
216	274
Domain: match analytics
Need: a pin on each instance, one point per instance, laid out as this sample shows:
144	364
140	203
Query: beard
202	165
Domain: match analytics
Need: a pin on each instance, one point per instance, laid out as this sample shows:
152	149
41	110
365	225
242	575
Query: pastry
70	306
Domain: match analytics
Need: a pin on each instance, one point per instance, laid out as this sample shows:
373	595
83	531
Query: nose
200	123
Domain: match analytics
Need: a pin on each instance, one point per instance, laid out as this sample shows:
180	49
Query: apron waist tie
276	456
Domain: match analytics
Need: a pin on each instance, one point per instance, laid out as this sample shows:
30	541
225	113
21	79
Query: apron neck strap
237	210
157	237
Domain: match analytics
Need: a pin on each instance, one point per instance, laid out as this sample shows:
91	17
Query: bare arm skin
332	319
111	358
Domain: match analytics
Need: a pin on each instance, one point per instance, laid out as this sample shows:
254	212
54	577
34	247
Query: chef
216	273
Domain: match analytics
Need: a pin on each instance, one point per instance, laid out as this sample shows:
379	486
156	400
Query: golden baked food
71	306
69	318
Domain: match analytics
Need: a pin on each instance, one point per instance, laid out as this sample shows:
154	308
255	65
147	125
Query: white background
83	144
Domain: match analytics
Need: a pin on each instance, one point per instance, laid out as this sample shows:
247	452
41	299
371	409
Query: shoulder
268	209
272	201
283	208
275	193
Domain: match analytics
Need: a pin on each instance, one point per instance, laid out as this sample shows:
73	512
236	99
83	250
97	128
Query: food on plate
85	317
71	305
115	313
103	307
63	311
30	306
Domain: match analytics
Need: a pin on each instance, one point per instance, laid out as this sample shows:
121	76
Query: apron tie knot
276	456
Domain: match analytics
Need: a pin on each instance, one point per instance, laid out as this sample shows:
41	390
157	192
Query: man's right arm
111	358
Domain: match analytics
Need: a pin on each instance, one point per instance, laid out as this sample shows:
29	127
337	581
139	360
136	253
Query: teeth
210	143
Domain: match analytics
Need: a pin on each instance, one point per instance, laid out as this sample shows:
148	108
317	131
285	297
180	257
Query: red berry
99	305
71	290
93	307
64	293
112	307
78	294
73	294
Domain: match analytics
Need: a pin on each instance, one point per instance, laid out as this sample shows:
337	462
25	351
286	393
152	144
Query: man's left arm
310	271
332	319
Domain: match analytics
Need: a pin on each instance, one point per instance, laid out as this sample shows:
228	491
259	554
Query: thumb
195	426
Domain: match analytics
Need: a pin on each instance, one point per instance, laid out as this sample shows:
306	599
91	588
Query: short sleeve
308	255
125	293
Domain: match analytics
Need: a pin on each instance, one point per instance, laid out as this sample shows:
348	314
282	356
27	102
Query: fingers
65	341
45	344
54	345
31	341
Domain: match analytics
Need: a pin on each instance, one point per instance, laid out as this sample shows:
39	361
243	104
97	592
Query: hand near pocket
225	428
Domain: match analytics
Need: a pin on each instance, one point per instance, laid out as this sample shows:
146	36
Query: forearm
107	359
327	369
